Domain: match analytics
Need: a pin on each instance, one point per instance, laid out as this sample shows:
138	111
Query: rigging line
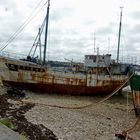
27	21
34	50
19	31
23	23
21	27
37	37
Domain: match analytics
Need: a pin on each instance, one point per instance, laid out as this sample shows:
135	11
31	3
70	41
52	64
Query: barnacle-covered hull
34	77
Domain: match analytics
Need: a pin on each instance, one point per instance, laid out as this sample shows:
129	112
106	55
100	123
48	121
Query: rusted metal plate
136	101
63	89
35	77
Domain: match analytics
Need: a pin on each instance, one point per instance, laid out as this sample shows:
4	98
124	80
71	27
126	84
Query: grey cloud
66	53
10	22
105	31
4	1
88	22
132	39
8	5
135	30
135	15
59	14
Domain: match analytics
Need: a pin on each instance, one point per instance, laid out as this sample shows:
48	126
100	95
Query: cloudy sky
76	27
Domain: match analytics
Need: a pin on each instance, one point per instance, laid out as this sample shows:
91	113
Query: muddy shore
13	110
41	117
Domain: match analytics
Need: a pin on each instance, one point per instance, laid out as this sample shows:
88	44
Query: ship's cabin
97	60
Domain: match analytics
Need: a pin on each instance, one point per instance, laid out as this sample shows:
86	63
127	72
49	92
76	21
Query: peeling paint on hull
63	89
38	78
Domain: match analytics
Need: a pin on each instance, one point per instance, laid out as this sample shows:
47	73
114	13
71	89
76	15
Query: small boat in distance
98	75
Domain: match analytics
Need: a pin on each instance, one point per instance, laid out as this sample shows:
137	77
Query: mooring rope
124	132
133	127
86	106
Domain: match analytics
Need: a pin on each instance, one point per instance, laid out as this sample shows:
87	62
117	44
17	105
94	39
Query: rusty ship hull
34	77
135	87
63	89
25	74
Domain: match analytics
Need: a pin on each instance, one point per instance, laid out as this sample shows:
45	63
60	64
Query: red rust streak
63	89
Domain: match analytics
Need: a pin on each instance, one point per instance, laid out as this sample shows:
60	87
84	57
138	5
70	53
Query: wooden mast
46	32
